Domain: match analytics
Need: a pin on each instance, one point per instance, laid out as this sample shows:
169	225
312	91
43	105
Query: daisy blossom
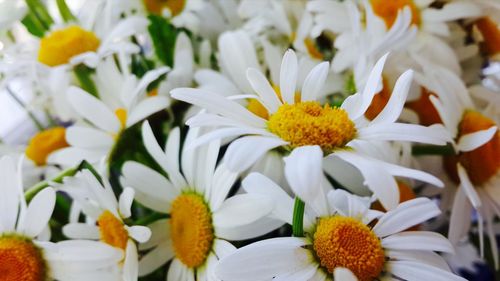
25	254
298	120
105	217
341	237
194	195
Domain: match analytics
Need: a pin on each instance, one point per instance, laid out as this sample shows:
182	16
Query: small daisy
194	195
107	118
341	237
298	120
475	167
25	254
105	217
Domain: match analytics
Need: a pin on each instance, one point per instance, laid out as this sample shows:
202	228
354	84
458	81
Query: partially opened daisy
201	219
106	119
24	251
105	217
475	167
341	236
298	119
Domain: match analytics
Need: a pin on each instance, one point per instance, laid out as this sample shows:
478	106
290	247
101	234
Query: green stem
298	218
32	191
444	150
32	116
65	11
83	73
38	9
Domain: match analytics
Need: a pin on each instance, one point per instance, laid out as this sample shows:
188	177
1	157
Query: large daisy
298	119
341	236
105	218
107	118
194	195
24	250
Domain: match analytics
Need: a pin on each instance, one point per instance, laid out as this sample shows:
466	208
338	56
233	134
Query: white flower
24	228
339	237
105	217
10	12
296	120
194	195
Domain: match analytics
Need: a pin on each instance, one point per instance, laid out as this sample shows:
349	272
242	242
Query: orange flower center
112	230
481	163
388	10
427	113
21	260
191	229
347	242
156	6
44	143
60	46
491	35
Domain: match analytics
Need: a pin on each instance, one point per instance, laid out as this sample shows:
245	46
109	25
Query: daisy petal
39	212
460	213
475	140
314	82
262	87
241	209
344	274
145	108
418	240
125	202
468	187
131	265
288	76
156	258
9	201
413	271
140	233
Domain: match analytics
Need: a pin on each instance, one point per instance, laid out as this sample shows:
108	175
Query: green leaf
33	25
298	218
83	74
65	11
163	34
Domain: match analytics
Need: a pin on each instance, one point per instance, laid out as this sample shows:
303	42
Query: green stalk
444	150
38	9
65	11
83	73
298	218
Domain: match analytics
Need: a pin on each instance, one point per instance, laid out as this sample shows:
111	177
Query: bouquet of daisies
249	140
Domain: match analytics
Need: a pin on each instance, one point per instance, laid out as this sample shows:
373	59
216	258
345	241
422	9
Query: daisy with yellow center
42	144
105	217
201	219
24	254
118	109
296	123
475	167
340	239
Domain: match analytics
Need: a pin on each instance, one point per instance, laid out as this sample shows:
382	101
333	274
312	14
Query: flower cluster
250	140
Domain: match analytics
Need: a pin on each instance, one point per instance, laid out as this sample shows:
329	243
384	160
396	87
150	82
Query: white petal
314	82
145	108
140	233
418	240
156	258
288	76
347	204
160	232
81	231
10	194
413	271
262	87
468	187
222	182
241	209
39	212
451	11
427	257
343	274
460	219
86	137
131	264
125	202
475	140
435	134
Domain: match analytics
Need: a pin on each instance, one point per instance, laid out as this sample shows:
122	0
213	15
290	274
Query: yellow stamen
156	6
60	46
491	35
388	10
347	242
112	230
20	259
312	49
44	143
481	163
191	229
379	101
308	123
427	113
121	113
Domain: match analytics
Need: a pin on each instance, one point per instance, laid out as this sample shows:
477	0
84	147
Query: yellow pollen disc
481	163
112	230
388	10
156	6
308	123
347	242
121	113
491	35
312	49
44	143
191	229
60	46
21	260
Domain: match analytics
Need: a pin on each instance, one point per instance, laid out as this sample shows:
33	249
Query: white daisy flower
107	117
105	217
475	167
25	255
341	237
11	11
298	120
201	219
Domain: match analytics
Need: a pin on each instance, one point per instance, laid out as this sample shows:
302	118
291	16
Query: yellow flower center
153	93
112	230
346	242
481	163
60	46
20	259
121	114
312	49
156	6
491	35
308	123
191	229
44	143
388	10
